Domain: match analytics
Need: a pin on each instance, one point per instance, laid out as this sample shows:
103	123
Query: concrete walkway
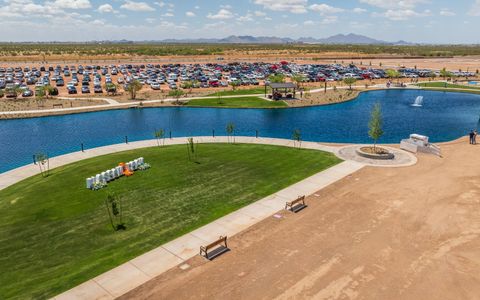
114	104
131	274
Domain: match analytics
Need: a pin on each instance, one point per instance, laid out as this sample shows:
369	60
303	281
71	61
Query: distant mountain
350	39
340	39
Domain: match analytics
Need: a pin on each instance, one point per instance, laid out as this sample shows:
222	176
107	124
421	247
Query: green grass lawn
252	91
449	85
55	234
241	102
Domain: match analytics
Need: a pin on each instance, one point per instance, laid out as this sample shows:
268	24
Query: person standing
471	137
475	137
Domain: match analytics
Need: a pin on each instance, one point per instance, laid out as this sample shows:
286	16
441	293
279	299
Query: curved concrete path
139	270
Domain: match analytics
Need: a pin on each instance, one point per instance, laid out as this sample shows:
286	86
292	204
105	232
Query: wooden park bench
296	205
220	246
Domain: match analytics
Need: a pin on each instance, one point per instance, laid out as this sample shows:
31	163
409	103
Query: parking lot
26	81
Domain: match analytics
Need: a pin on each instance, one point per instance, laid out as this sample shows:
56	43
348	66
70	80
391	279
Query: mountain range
353	39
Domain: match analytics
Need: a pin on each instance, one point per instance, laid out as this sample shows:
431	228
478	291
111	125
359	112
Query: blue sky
429	21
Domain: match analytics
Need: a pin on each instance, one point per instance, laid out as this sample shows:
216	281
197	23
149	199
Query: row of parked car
82	78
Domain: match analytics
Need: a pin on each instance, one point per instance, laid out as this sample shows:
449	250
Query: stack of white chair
114	173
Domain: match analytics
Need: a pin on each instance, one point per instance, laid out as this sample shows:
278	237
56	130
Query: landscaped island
56	234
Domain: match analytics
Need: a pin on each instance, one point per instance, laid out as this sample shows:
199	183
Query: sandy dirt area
405	233
322	98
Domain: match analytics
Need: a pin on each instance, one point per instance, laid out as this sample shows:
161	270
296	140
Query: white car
155	86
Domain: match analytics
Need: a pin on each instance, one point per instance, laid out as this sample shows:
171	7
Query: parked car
155	86
97	89
27	93
71	90
85	90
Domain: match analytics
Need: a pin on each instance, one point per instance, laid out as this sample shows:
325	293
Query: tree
432	75
219	98
111	88
176	94
43	163
276	78
40	95
191	149
349	81
234	84
15	90
375	125
160	135
132	88
394	74
48	90
230	129
115	212
187	85
445	74
299	79
297	138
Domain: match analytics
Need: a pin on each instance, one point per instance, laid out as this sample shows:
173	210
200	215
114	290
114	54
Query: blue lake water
443	117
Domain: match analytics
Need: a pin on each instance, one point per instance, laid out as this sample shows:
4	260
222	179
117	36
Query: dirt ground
322	98
405	233
471	63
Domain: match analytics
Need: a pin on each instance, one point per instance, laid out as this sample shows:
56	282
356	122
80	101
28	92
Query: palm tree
132	88
48	90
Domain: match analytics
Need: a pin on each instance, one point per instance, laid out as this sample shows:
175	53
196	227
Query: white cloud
105	8
168	15
73	4
309	23
329	20
98	22
222	14
325	9
447	13
150	20
394	4
294	6
27	8
247	17
475	9
405	14
190	14
359	10
258	13
136	6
